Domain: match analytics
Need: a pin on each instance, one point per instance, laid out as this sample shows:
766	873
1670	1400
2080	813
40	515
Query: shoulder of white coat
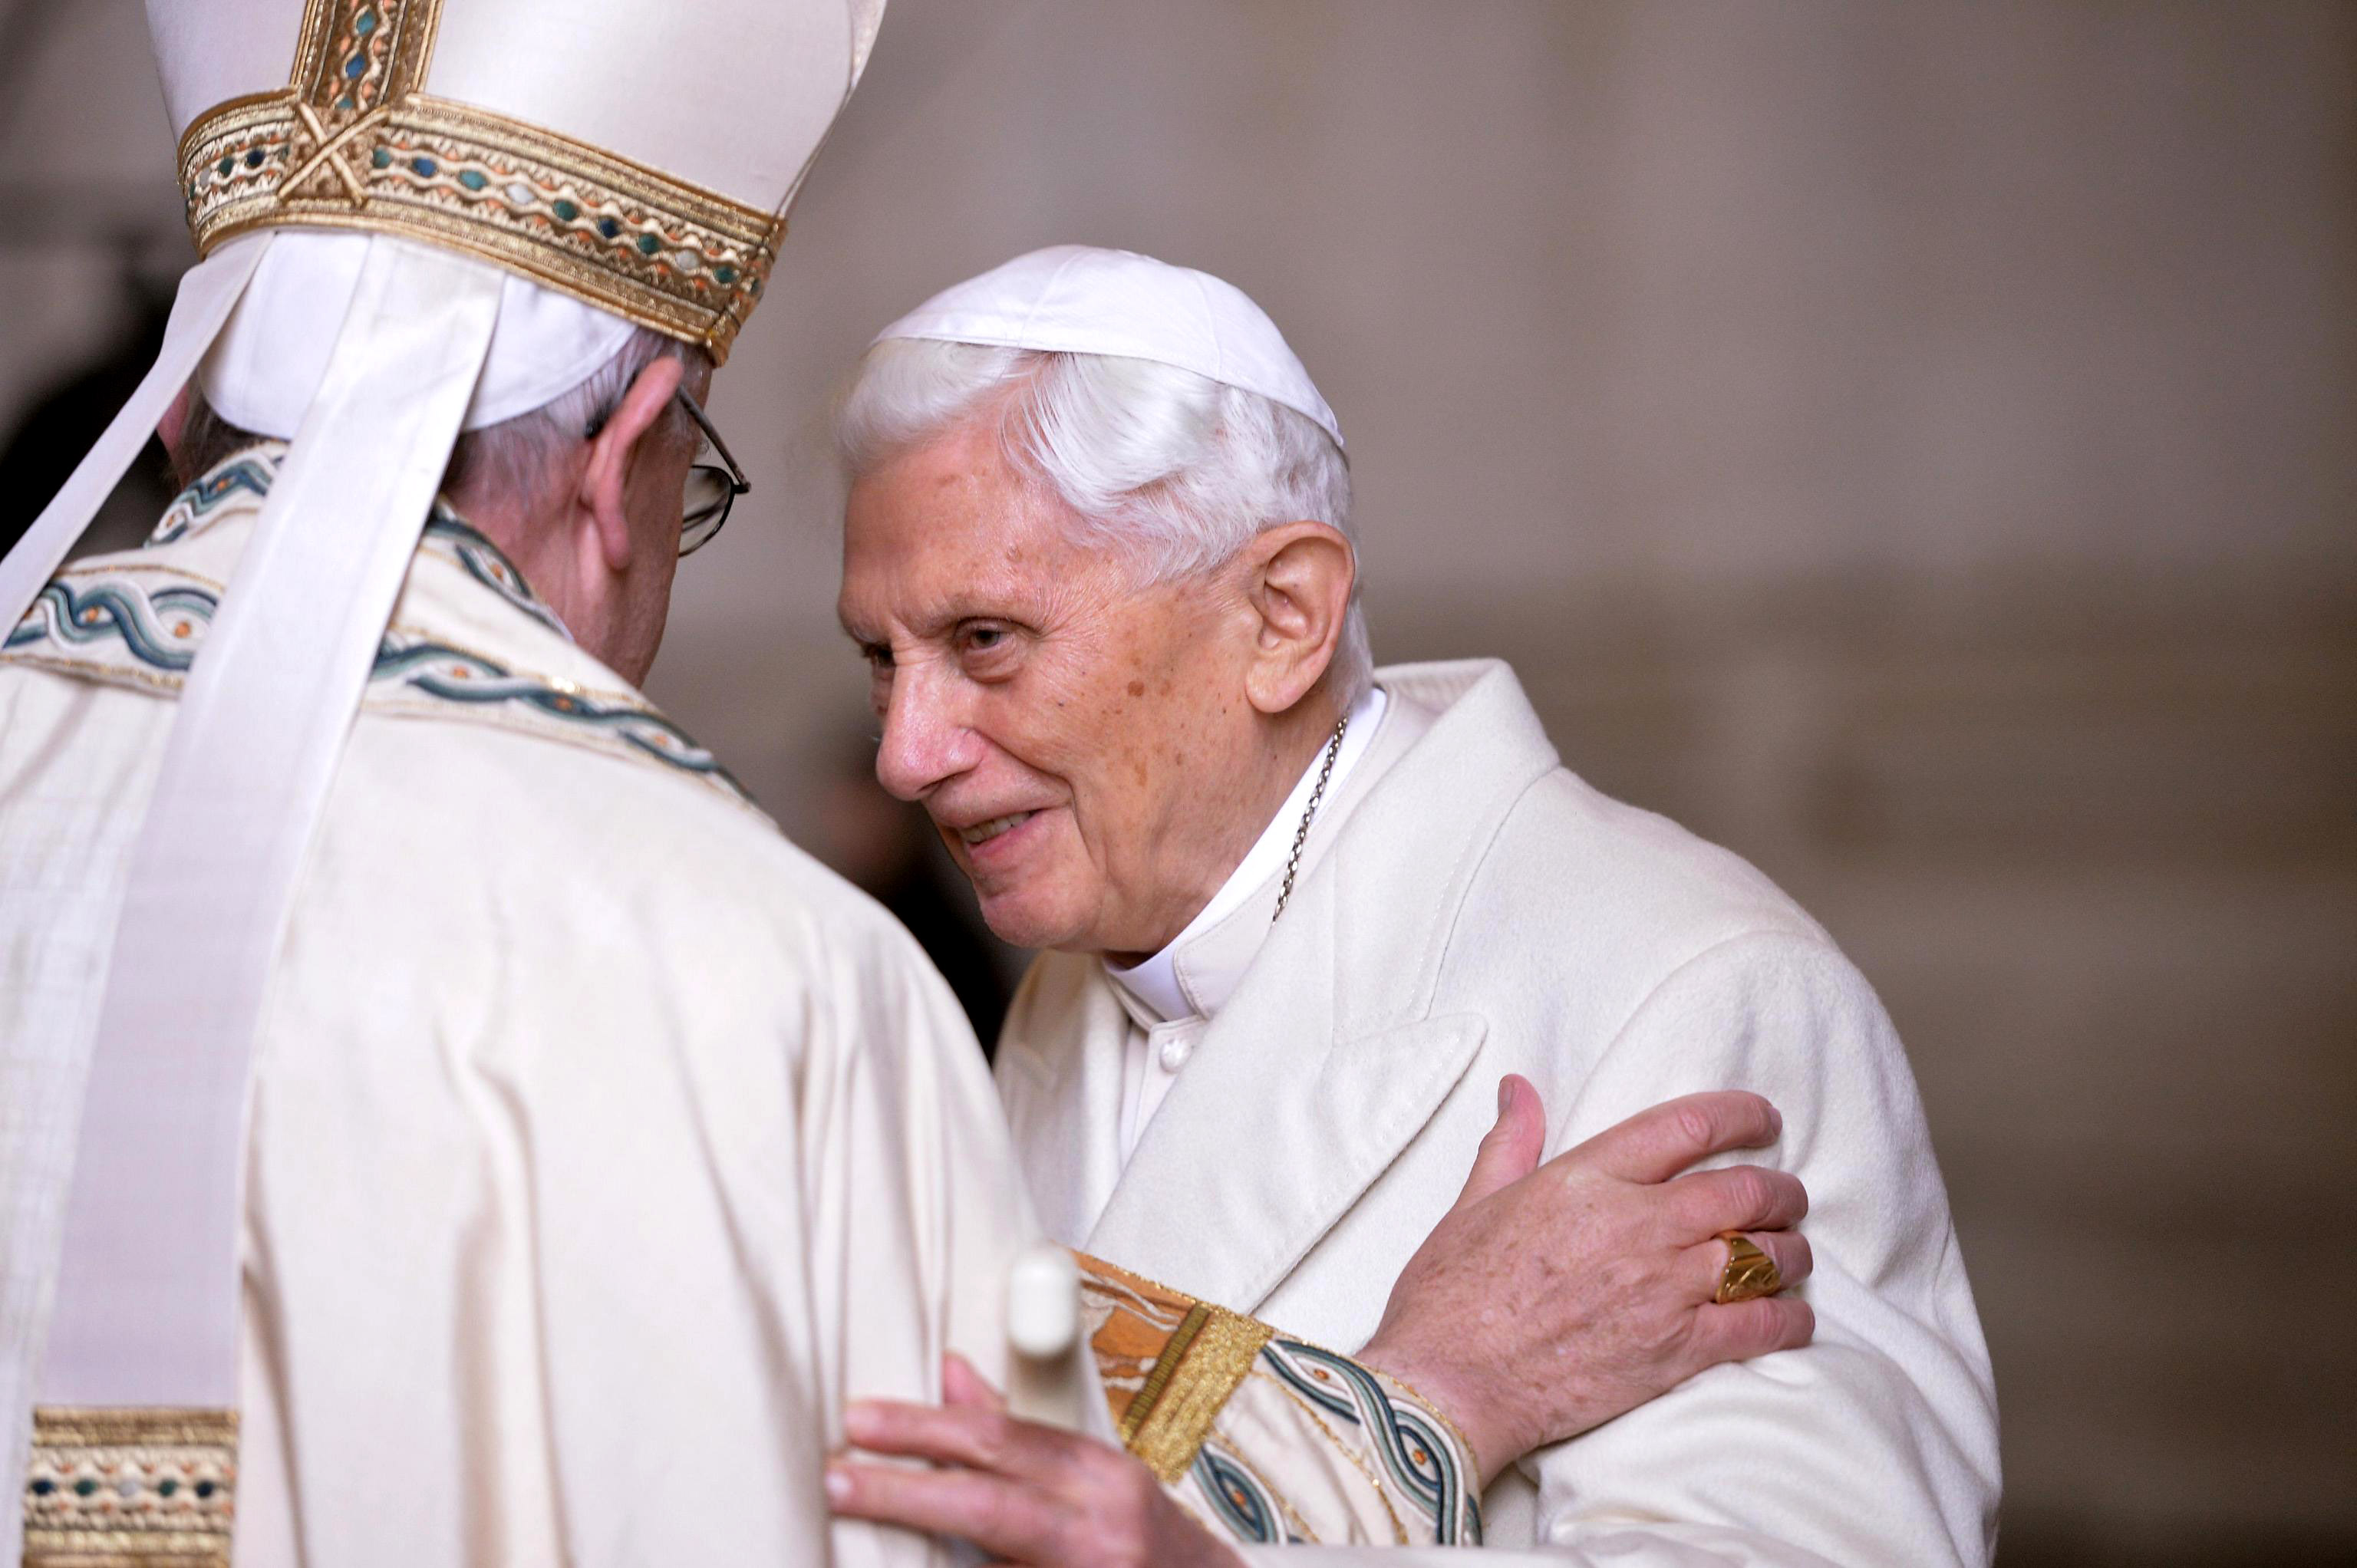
1679	967
1620	891
1656	964
1585	853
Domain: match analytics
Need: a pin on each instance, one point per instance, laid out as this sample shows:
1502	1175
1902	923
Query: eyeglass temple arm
738	483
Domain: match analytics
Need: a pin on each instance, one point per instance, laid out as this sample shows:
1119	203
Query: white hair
1178	471
515	456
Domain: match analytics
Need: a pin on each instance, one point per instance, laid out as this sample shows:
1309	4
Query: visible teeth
983	832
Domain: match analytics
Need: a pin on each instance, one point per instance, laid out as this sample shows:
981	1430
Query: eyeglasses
712	488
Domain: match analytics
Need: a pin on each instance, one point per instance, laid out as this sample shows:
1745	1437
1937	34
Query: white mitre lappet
1081	299
413	218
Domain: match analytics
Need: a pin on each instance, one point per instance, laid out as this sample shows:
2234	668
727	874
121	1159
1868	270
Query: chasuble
601	1142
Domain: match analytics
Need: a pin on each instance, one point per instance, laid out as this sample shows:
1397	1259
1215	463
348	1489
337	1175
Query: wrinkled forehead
952	528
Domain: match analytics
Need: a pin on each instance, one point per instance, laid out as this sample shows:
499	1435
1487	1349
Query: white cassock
601	1140
1274	1117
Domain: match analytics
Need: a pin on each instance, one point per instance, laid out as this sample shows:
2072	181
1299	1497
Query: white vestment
1471	908
601	1142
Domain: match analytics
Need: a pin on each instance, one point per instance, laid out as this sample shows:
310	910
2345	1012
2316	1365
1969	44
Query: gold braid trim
1168	1362
1202	1373
354	144
151	1488
1147	1402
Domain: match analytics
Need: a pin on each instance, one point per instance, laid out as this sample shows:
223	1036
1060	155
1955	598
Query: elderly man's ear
602	498
1299	587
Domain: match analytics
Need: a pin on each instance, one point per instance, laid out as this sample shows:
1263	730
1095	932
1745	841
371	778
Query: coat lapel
1329	1059
1280	1123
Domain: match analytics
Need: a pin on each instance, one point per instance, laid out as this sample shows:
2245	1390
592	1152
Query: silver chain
1302	833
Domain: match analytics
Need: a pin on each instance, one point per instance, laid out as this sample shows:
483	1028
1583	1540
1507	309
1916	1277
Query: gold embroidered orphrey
1167	1362
130	1488
354	142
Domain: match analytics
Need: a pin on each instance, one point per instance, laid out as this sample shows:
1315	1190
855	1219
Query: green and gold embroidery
141	623
353	141
1425	1462
130	1488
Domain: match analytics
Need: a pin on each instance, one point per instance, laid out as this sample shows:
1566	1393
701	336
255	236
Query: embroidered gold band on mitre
130	1488
1167	1362
353	144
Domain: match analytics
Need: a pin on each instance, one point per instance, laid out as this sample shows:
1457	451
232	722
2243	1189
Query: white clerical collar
1154	984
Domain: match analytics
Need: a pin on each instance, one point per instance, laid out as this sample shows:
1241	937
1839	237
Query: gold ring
1749	1272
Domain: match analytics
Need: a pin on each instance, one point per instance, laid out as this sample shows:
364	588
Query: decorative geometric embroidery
1245	1506
248	474
1171	1367
1427	1465
486	564
162	627
159	615
253	471
154	1488
353	143
456	676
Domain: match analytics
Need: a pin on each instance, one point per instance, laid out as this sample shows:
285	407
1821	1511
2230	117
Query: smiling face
1084	744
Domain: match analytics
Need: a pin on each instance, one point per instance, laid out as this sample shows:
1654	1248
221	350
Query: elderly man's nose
922	745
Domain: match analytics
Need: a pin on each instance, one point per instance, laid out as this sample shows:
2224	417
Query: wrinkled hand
1024	1493
1550	1299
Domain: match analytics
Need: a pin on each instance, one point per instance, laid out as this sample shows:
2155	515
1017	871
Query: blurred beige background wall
1914	445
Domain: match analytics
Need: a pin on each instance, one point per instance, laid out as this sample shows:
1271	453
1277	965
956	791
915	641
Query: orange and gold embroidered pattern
1266	1438
1167	1362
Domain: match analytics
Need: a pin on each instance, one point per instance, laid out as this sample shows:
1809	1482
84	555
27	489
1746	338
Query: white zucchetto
273	353
1081	299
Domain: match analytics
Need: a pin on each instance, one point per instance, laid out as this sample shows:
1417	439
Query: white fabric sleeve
1875	1445
915	1208
831	1206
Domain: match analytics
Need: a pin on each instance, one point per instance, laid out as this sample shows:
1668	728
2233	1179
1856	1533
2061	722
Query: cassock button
1175	1052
